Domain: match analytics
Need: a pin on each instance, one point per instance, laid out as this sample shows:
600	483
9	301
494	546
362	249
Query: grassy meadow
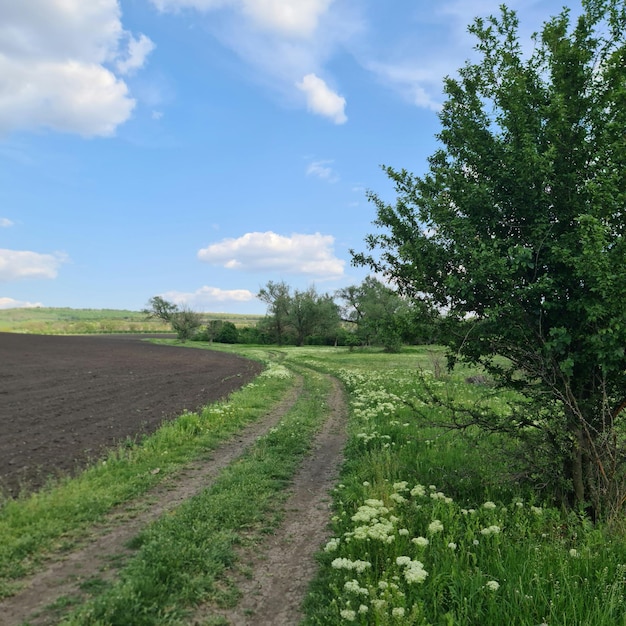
57	321
427	526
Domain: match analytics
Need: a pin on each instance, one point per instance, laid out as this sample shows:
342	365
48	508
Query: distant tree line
369	314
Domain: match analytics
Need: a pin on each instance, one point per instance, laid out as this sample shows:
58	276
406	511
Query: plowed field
65	400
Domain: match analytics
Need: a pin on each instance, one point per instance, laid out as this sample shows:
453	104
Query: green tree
183	320
221	331
381	316
277	296
312	314
517	230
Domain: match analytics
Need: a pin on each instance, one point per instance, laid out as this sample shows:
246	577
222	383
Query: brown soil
279	570
65	400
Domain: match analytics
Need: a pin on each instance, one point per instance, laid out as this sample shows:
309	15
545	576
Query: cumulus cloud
321	169
312	255
10	303
55	60
292	17
207	298
5	222
19	264
322	100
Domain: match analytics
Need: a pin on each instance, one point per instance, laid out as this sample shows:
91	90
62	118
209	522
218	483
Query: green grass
429	529
49	320
181	559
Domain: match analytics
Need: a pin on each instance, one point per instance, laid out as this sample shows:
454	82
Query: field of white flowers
429	529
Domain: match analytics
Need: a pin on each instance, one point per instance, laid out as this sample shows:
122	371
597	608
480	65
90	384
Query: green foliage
221	331
277	296
517	231
383	317
184	321
297	318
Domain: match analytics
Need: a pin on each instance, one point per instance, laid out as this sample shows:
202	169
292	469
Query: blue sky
196	149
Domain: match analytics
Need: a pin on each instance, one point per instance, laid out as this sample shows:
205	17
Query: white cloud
281	40
69	97
5	222
18	264
311	255
321	169
10	303
295	18
322	100
206	298
291	17
55	58
138	51
420	83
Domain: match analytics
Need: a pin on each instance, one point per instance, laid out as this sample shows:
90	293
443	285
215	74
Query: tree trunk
578	474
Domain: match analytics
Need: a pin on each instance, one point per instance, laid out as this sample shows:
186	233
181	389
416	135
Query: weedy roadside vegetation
431	528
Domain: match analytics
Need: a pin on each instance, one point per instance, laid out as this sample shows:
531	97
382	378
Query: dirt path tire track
284	565
64	573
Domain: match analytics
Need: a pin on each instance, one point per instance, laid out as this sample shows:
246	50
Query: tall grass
427	530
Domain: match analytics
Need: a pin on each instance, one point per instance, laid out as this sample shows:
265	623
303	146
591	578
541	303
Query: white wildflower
492	585
396	497
435	526
354	587
418	490
332	545
358	566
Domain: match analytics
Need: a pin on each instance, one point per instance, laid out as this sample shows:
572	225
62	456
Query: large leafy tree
277	296
518	232
183	320
381	316
312	314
